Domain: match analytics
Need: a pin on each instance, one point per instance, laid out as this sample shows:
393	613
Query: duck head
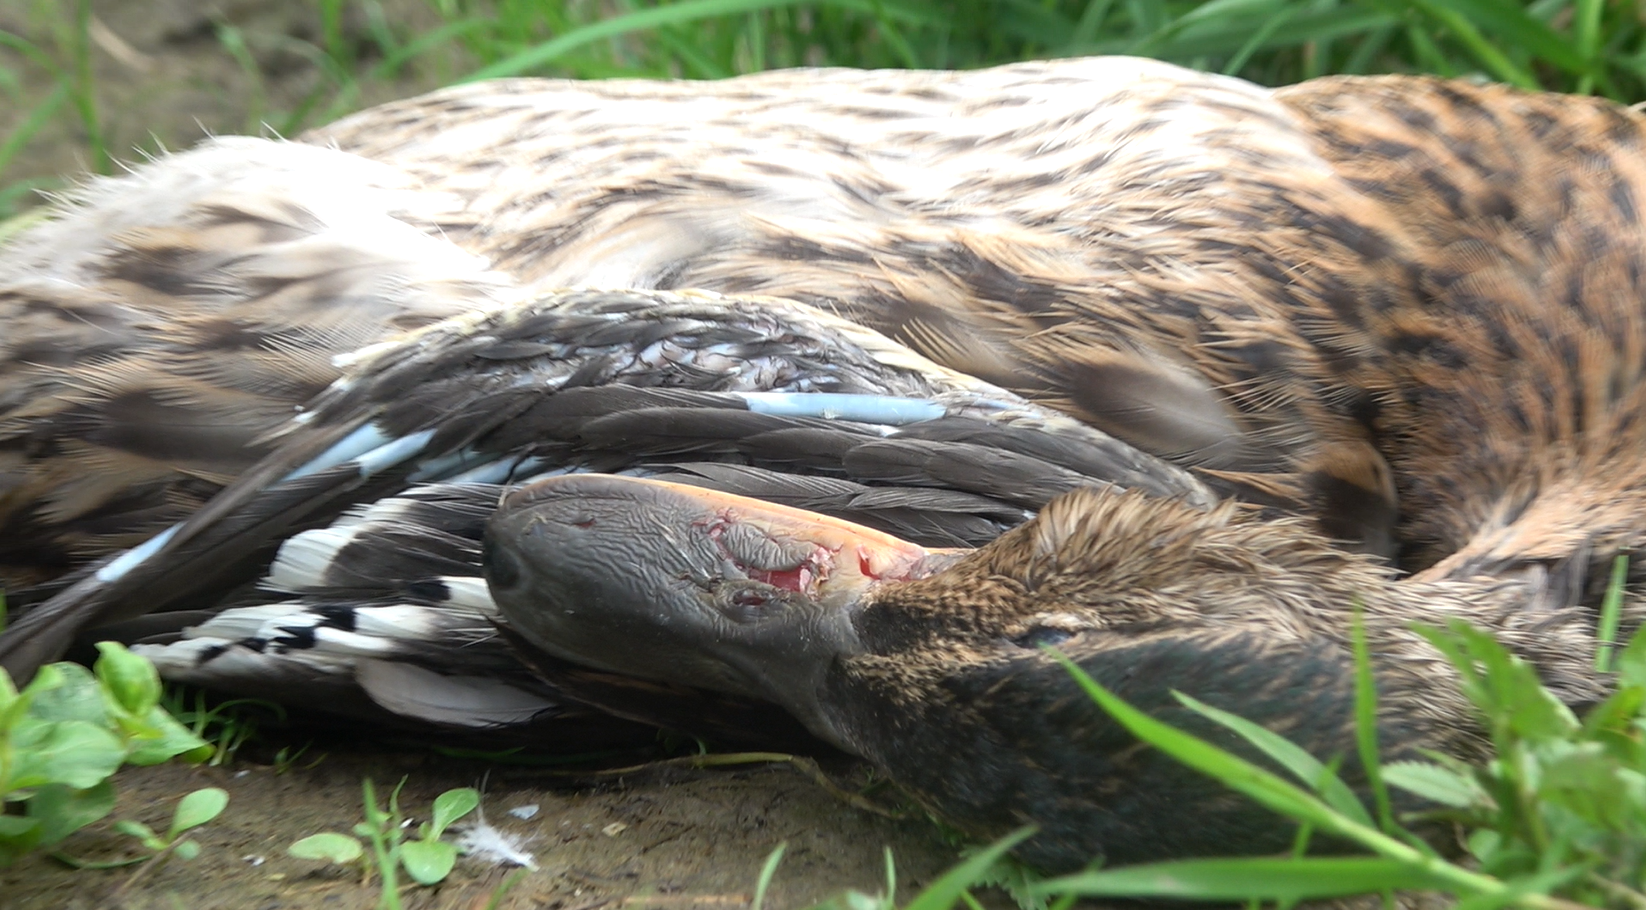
933	665
675	583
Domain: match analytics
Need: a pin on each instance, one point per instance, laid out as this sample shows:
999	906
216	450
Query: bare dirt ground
695	841
698	840
166	78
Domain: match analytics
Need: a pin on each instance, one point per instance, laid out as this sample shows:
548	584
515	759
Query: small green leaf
451	806
1631	661
1504	687
63	810
187	849
1484	843
1614	715
140	831
428	862
74	753
8	694
65	691
164	739
197	808
129	678
329	846
49	677
17	837
1436	784
17	825
767	870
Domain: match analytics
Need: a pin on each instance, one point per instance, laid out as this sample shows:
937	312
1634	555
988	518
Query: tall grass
51	68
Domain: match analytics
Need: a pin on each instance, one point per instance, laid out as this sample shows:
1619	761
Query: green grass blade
1485	52
1268	789
1285	880
1256	42
35	120
1288	755
1611	612
1091	21
640	20
1366	721
941	894
1586	22
1515	29
767	870
424	44
32	51
1303	28
893	36
1235	772
1525	891
1368	50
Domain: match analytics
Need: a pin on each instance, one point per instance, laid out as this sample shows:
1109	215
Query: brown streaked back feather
1354	298
166	320
1126	240
1516	432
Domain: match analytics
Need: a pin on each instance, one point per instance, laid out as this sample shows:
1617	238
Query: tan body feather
166	321
1295	291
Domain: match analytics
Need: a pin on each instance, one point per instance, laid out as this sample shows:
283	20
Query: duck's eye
1042	636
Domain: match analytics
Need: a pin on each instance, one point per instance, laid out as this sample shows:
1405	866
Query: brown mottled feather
1135	255
169	319
1513	417
1346	298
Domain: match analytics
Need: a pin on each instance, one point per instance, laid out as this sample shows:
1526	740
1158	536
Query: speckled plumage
166	321
1104	234
1348	297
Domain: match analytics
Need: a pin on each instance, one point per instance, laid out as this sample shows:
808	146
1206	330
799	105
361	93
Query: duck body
1396	323
1331	299
1122	239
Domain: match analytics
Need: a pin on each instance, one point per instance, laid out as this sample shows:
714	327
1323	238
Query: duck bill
677	583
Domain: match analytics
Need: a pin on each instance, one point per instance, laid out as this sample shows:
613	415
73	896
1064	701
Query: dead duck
1431	302
1321	300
